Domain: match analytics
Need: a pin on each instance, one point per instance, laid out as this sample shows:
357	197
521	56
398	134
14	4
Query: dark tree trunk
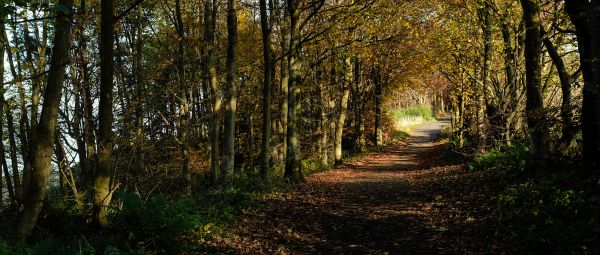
585	17
538	129
102	187
266	107
228	162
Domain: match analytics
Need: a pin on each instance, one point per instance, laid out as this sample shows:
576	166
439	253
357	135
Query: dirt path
403	200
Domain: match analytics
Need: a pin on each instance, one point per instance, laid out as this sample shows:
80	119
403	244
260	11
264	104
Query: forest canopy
107	106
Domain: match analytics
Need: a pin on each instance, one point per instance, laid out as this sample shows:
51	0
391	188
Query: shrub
156	222
511	160
547	211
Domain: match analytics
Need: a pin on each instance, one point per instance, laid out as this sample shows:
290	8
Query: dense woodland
113	110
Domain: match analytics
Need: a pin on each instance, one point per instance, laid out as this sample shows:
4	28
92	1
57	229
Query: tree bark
378	107
483	103
539	132
210	10
266	107
42	148
184	104
341	120
102	186
230	93
293	169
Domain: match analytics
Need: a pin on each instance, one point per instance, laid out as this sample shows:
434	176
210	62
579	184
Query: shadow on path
403	200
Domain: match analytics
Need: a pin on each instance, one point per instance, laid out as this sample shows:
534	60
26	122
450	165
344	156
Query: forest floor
406	199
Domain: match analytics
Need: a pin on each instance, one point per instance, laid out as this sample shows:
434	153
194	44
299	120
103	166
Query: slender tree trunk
266	132
139	91
539	133
358	106
102	187
341	120
12	191
566	112
13	152
378	108
230	93
88	167
23	116
285	81
511	77
4	166
324	123
42	149
211	72
482	93
184	104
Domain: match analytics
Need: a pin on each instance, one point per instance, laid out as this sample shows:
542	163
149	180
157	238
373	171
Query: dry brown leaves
404	200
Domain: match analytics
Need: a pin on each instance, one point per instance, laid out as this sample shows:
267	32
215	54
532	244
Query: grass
405	119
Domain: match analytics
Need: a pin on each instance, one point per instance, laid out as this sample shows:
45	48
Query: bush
512	160
156	222
549	217
547	211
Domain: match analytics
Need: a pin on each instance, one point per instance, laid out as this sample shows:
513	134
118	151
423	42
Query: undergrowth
547	211
156	224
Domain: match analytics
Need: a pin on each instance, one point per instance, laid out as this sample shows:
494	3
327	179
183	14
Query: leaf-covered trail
403	200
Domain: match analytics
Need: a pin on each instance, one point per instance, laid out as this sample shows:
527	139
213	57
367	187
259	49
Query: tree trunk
42	149
266	107
293	170
510	67
4	107
359	106
483	103
184	104
230	93
378	108
4	166
339	128
324	123
566	112
13	152
592	148
539	132
210	10
285	81
139	92
23	119
102	187
584	16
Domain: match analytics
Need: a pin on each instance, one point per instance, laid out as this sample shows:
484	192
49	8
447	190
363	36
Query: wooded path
403	200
